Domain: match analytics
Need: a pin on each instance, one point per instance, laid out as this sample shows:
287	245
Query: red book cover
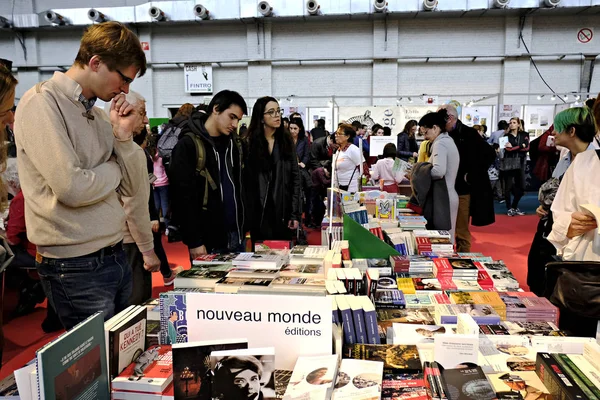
447	283
151	373
442	267
169	393
423	241
479	266
442	298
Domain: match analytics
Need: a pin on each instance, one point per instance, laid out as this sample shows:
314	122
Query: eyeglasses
127	80
274	113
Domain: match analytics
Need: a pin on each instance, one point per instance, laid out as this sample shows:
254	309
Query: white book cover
508	353
254	260
243	373
315	375
453	350
558	344
305	270
359	379
416	334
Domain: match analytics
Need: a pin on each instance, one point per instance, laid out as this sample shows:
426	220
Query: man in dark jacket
217	224
321	152
473	186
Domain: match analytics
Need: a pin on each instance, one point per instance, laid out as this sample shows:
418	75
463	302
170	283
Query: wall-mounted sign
198	78
585	35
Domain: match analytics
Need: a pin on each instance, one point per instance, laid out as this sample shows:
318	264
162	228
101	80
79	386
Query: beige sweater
69	183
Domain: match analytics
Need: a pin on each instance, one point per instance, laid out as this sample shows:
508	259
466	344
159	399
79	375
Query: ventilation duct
201	12
312	7
430	5
54	18
96	16
380	5
551	3
156	14
501	3
265	9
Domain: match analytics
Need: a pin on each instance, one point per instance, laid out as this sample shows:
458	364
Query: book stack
482	298
413	265
539	309
411	223
210	259
305	254
357	316
515	309
267	260
455	268
150	374
504	280
482	314
403	243
433	241
357	213
352	279
206	276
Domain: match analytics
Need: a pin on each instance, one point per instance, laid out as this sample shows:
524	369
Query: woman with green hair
574	229
574	141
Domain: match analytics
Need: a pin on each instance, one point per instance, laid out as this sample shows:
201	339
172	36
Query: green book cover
74	365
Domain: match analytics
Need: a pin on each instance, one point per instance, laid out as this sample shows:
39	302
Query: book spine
371	327
580	374
335	316
552	376
350	285
348	326
574	377
359	326
360	286
112	364
439	383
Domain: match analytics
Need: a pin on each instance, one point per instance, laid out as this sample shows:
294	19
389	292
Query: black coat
201	226
303	151
476	156
430	197
283	181
319	154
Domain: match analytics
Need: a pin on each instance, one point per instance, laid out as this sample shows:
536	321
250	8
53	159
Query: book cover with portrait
247	374
192	372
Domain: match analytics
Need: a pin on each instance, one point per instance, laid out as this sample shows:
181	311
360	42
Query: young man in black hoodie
217	224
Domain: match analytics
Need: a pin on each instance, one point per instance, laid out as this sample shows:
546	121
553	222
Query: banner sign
377	143
294	325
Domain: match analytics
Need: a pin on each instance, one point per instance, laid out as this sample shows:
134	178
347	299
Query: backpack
174	235
201	164
168	140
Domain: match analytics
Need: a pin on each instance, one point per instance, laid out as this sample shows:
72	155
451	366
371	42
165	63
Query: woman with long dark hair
513	165
271	175
296	129
406	144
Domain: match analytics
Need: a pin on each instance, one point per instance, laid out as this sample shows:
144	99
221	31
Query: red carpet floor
508	239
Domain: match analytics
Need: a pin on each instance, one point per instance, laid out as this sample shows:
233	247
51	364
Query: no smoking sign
585	35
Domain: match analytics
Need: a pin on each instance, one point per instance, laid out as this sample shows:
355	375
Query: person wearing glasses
475	196
75	161
272	177
209	205
347	160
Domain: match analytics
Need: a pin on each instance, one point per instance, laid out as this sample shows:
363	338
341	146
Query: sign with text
377	144
198	78
294	325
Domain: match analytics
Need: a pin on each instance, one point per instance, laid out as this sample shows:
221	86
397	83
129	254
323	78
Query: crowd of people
94	185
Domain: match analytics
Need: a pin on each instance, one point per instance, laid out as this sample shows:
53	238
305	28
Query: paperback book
359	379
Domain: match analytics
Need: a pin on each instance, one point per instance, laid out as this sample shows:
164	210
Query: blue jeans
78	287
161	201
